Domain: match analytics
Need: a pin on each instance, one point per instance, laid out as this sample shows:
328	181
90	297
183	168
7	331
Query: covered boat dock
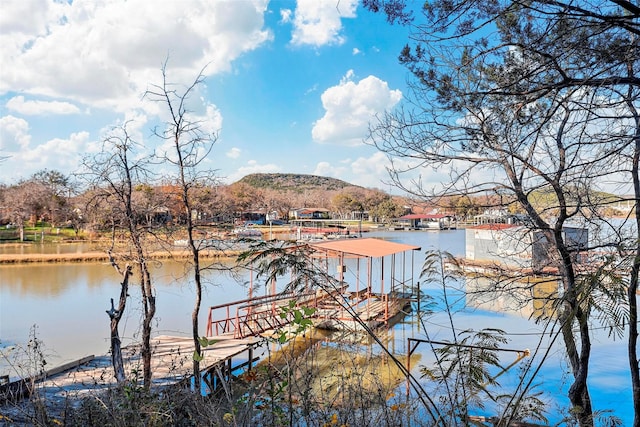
361	299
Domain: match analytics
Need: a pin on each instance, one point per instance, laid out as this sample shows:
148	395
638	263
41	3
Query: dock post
408	365
418	287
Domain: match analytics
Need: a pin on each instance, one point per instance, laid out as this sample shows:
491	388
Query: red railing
255	315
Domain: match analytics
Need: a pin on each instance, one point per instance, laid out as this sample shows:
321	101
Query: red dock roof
369	247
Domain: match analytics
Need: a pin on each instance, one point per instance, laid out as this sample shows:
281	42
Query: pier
237	329
172	359
349	307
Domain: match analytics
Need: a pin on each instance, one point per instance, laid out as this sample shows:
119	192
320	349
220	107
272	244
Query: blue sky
290	86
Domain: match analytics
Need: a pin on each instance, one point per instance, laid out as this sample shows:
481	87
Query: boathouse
428	221
517	246
309	213
370	299
369	282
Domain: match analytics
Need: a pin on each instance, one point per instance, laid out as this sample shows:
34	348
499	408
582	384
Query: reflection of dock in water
529	297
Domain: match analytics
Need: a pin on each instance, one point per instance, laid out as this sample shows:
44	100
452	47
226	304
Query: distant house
517	246
254	217
310	213
359	215
161	215
428	221
498	217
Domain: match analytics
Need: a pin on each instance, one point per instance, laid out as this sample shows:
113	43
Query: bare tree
113	175
528	98
26	202
191	144
56	197
115	314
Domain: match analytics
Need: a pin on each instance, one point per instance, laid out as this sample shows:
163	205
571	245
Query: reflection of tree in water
53	280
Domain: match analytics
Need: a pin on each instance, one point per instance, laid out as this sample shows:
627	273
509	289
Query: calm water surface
66	304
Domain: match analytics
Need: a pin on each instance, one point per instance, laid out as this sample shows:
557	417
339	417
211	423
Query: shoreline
97	256
92	255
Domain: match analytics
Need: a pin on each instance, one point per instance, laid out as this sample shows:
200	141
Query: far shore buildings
310	213
428	221
517	246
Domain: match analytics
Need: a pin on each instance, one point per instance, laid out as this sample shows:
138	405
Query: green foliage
204	343
465	373
41	233
603	291
299	317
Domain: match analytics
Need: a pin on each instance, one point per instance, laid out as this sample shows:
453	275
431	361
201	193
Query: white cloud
327	169
234	153
252	166
20	105
285	16
109	51
211	121
318	22
55	154
14	135
347	77
375	165
372	171
29	17
356	51
208	123
350	107
368	172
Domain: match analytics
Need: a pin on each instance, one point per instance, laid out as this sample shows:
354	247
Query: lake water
66	304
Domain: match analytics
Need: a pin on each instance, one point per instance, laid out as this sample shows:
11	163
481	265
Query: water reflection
531	298
46	281
68	303
46	248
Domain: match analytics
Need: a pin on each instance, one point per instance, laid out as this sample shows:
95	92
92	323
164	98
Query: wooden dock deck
374	311
171	363
334	305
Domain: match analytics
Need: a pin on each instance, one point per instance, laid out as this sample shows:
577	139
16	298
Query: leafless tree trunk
115	315
114	173
634	275
191	145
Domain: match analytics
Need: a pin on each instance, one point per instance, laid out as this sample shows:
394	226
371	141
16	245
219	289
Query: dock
238	328
172	363
358	312
345	307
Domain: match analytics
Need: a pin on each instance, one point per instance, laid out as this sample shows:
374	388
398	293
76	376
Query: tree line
51	197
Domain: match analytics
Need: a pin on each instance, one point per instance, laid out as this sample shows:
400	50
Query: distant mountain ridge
293	182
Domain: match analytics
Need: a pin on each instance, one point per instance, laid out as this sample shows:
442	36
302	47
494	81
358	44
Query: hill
293	182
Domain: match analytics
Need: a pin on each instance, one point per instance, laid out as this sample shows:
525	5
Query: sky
290	86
